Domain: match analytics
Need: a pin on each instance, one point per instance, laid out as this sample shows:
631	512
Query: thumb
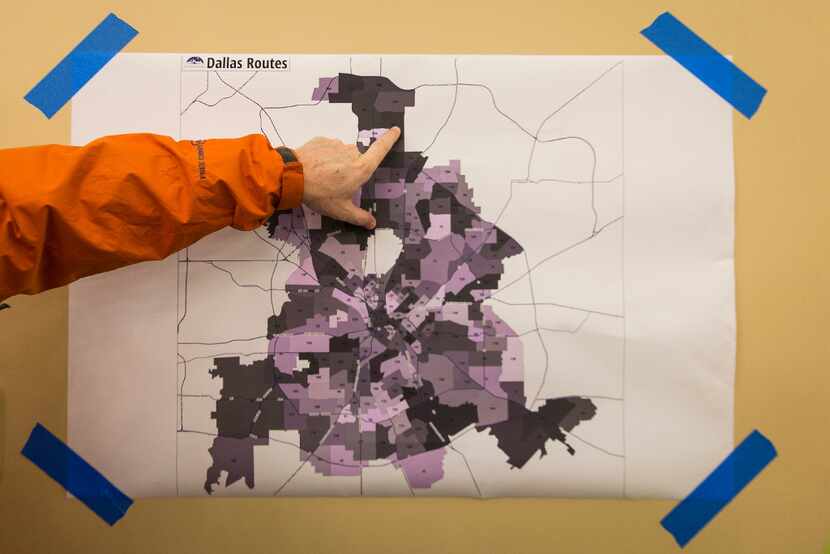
356	216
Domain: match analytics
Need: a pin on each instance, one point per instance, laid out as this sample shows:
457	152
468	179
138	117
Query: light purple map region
386	368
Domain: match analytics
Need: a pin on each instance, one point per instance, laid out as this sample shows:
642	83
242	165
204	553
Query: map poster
546	307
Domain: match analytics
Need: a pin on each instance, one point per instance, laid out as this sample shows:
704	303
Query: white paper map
546	307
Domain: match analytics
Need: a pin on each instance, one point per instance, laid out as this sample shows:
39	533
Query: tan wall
783	240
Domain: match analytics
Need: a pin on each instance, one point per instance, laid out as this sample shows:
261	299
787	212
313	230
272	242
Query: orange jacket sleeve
67	212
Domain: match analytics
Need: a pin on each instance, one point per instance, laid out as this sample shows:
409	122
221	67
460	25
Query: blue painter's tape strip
61	463
719	488
80	65
706	63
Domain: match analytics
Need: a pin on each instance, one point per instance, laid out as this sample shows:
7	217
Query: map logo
235	63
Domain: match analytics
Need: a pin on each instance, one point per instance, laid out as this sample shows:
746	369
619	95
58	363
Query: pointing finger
356	216
380	148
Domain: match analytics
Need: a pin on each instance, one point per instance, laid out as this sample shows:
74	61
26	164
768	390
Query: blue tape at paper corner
734	473
86	483
80	65
707	64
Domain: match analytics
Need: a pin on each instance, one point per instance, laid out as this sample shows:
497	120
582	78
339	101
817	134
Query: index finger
380	148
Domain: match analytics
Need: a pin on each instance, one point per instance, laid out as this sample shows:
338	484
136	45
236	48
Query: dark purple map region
387	367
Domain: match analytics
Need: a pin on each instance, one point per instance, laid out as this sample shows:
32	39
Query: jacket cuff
293	181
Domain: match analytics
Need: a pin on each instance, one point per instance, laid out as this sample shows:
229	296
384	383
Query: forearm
68	212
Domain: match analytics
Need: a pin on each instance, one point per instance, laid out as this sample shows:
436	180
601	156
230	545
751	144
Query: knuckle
367	172
363	168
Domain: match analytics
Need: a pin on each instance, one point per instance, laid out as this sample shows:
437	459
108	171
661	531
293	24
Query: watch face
287	154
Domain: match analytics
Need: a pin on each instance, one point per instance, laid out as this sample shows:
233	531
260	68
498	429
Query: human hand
334	171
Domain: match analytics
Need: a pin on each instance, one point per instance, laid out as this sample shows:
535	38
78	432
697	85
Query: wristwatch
291	192
286	154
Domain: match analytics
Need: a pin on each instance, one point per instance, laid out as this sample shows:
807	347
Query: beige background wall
783	242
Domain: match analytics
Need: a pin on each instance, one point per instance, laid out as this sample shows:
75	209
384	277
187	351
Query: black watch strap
286	154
